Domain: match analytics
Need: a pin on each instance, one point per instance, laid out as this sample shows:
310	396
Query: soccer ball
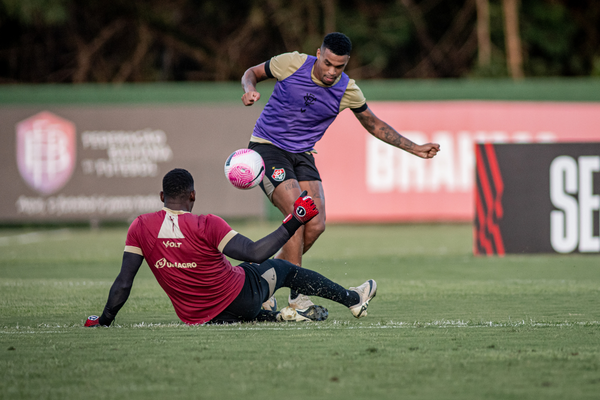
244	168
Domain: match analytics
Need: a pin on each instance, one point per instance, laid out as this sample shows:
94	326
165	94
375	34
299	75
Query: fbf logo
46	150
572	224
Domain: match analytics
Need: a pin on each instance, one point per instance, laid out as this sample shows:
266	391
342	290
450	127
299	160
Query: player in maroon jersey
187	255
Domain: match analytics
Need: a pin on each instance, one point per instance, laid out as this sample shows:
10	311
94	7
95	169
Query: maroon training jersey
184	252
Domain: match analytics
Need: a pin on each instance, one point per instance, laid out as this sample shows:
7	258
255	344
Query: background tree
514	51
189	40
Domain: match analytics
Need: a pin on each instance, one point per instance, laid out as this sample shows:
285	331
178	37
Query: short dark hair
177	183
338	43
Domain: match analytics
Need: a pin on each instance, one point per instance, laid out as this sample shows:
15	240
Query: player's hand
250	98
304	208
92	322
428	150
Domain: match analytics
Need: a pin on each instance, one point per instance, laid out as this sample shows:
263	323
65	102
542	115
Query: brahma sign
367	180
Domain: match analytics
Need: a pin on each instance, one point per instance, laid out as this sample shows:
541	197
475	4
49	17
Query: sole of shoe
312	313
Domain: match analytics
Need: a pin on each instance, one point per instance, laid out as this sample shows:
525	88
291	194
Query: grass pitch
444	324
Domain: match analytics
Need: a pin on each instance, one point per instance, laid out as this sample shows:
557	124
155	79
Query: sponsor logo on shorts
164	263
278	174
168	244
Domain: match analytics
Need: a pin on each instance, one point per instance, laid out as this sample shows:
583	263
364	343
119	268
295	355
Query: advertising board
391	185
537	198
107	163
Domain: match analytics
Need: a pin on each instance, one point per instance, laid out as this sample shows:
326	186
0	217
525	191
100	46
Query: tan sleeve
353	97
226	240
286	64
134	250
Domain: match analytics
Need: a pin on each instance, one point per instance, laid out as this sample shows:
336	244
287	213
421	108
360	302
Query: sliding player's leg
263	280
280	273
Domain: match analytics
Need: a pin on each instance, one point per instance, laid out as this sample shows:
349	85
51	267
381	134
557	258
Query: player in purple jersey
309	94
186	253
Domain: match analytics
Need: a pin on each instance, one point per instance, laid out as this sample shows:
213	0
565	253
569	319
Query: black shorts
281	165
262	280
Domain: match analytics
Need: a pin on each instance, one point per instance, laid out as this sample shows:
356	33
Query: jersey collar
176	212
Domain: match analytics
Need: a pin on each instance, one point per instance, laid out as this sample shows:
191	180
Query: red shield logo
278	175
46	151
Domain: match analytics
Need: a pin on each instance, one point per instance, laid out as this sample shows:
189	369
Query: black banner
537	198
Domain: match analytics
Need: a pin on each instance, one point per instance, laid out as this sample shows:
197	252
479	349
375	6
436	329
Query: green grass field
444	324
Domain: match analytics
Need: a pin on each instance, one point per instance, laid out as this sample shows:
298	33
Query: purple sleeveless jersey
300	111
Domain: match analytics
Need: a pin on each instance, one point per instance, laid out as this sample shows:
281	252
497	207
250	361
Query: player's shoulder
285	64
214	224
353	97
213	219
145	224
149	217
352	85
200	221
290	57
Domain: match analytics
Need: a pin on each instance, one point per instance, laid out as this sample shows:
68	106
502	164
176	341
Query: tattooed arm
382	131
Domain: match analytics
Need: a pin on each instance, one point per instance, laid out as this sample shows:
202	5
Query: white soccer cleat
312	313
366	291
300	303
270	305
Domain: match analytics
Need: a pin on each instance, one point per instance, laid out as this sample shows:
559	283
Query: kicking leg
284	197
316	226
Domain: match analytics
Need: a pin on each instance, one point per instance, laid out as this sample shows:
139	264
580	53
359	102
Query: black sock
312	283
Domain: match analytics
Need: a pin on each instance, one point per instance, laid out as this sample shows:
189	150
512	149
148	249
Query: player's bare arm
251	77
381	130
119	291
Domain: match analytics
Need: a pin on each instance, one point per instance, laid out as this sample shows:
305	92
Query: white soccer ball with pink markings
244	168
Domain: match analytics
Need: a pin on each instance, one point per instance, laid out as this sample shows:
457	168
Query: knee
314	229
283	269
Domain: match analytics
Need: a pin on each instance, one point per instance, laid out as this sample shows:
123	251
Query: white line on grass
320	325
408	325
